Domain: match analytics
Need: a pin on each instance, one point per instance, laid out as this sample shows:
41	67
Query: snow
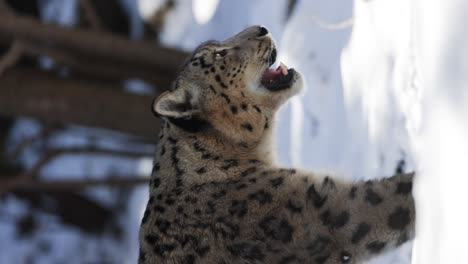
182	30
378	90
404	68
316	118
63	12
440	141
203	10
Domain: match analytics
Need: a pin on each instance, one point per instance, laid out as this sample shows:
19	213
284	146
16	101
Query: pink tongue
269	75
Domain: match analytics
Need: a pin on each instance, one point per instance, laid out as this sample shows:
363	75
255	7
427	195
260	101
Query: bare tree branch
41	95
12	56
32	173
333	26
158	18
100	69
4	8
110	53
99	151
90	15
117	181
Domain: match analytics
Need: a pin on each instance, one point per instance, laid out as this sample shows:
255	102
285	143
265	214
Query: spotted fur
216	195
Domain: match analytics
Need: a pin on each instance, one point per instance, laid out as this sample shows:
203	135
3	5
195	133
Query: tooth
284	69
275	65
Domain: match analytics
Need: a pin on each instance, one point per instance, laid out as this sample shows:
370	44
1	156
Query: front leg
364	218
305	218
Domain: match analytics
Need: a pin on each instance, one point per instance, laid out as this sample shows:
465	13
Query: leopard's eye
221	53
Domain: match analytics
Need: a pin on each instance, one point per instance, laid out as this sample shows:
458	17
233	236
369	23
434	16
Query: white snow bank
440	137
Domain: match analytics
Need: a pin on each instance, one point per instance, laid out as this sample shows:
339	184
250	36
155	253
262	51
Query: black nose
263	31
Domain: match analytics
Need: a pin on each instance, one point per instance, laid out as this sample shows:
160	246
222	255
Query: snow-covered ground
385	90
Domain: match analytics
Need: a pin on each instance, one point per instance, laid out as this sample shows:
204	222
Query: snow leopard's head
231	87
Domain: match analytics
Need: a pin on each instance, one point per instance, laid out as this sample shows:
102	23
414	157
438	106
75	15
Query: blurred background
385	94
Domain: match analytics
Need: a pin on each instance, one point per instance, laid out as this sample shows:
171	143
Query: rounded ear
175	104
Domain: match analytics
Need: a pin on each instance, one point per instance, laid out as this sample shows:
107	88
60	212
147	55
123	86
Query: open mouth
276	77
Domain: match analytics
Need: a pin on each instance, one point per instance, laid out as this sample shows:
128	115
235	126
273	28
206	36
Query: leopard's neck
196	158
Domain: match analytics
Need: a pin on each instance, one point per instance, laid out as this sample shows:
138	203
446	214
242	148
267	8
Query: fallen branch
70	208
41	95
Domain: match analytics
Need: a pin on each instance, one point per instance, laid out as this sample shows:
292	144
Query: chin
297	85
